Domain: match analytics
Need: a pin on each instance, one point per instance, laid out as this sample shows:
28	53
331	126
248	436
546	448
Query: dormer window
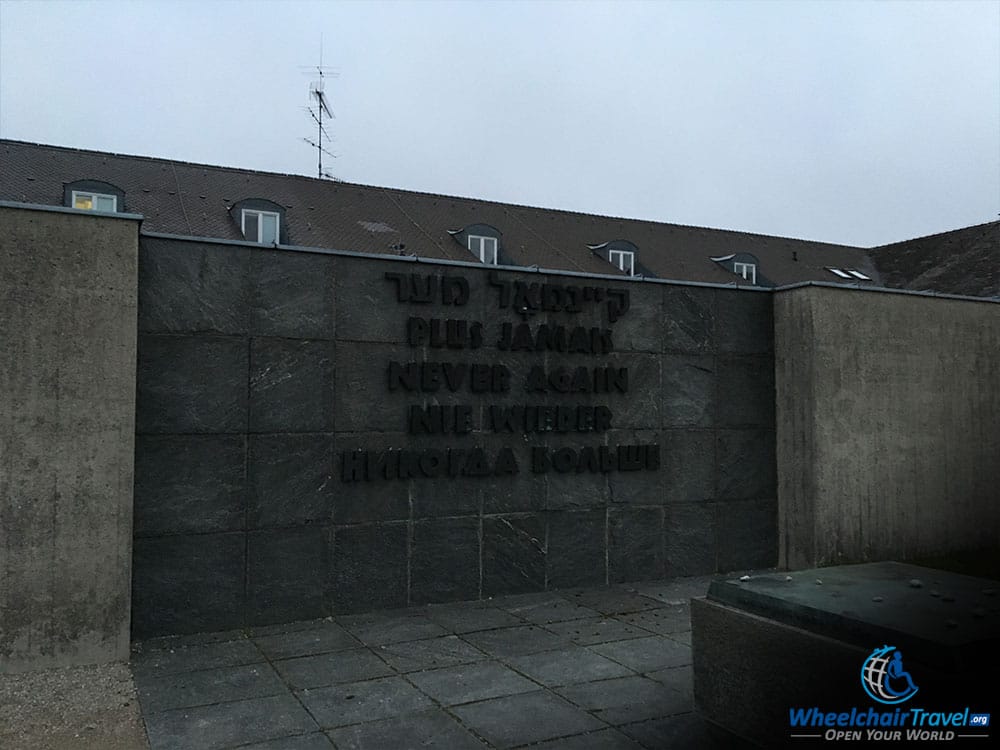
485	248
94	201
94	195
261	226
483	241
624	259
747	270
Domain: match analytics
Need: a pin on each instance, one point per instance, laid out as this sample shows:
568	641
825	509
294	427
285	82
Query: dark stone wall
259	368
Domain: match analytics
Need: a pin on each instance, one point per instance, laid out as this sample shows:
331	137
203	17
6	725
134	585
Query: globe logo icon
884	678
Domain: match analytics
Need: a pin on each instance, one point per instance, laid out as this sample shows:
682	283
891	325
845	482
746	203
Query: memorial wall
327	433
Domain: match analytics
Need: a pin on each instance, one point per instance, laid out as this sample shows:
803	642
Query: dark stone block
457	496
291	480
635	544
689	390
513	554
444	564
643	487
307	672
746	385
187	584
162	693
576	546
641	328
475	682
688	319
292	294
505	643
356	702
646	654
291	386
688	458
369	567
690	539
747	534
377	499
323	637
640	407
189	484
627	699
745	322
524	492
517	720
431	728
363	400
195	287
430	653
191	384
287	574
747	464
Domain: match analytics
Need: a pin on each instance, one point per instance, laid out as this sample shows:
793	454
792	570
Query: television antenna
319	109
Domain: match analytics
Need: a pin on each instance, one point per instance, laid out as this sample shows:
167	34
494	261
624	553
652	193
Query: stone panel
191	384
576	549
689	319
635	544
689	391
187	584
690	537
369	567
189	484
688	458
513	554
745	322
193	287
291	480
746	464
748	534
292	294
444	562
746	392
287	572
291	385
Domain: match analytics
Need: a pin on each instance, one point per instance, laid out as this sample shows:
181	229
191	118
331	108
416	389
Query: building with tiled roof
205	201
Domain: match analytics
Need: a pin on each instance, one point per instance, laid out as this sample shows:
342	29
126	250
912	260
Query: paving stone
227	724
430	729
527	718
509	642
468	618
597	630
381	628
186	689
327	637
627	699
568	667
190	658
356	702
684	732
475	682
676	591
662	621
333	668
433	653
604	739
612	601
314	741
646	654
553	609
680	679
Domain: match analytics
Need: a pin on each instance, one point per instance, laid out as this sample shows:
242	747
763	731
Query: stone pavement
608	668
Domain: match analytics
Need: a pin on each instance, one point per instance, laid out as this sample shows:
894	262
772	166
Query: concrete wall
67	379
888	424
259	369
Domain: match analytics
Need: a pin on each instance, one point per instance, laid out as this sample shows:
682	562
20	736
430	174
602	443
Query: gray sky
860	123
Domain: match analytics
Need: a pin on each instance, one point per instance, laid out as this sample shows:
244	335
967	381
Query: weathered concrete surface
78	708
67	325
888	425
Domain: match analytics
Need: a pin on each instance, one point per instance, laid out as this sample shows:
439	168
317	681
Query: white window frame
93	200
742	269
481	252
858	275
838	272
624	259
260	225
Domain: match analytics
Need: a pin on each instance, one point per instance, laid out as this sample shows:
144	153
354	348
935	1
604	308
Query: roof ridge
982	226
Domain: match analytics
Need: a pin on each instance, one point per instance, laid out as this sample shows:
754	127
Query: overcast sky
859	123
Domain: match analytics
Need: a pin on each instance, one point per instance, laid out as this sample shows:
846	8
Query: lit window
95	201
747	270
624	259
858	275
838	272
485	248
260	226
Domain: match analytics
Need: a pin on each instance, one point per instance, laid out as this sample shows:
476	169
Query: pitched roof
194	199
963	261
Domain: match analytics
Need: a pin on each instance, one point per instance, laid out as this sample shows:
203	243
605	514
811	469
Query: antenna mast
317	92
